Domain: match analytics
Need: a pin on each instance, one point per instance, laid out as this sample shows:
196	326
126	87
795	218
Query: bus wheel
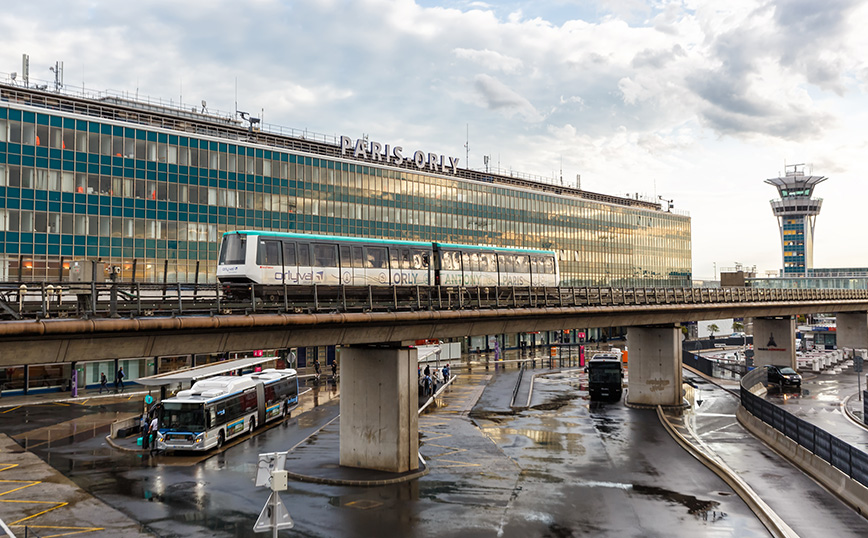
220	439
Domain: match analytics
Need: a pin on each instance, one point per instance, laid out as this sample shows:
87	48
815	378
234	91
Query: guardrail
29	300
849	460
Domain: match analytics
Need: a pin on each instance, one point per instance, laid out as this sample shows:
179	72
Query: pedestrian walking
119	379
316	368
103	382
334	370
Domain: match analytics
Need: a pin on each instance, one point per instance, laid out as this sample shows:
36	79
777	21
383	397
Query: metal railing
846	458
40	300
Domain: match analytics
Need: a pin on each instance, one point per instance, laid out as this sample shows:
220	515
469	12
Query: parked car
783	376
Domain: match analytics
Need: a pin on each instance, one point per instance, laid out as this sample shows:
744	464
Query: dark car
783	376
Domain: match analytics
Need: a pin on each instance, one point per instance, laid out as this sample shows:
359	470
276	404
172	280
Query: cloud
490	60
498	96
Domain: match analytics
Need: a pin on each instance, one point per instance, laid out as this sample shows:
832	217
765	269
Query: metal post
135	261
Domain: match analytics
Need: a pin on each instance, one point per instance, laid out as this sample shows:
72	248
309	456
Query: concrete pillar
774	341
379	409
655	365
852	330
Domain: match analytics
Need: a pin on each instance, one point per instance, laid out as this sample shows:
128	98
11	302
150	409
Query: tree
737	327
713	328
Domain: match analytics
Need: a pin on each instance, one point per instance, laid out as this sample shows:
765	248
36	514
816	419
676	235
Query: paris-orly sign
362	148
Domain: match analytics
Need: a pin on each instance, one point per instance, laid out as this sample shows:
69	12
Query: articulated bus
220	408
280	258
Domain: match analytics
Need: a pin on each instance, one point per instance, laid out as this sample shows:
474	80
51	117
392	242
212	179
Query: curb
773	522
361	483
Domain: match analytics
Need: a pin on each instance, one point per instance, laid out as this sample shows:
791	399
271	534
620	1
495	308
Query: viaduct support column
655	365
852	330
774	341
379	409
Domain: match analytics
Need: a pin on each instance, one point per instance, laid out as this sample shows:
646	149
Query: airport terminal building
150	187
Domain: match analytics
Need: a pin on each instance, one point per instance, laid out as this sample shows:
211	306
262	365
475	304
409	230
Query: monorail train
303	259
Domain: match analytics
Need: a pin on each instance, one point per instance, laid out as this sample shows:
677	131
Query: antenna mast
467	148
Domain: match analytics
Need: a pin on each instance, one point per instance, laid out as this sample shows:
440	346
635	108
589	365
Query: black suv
783	376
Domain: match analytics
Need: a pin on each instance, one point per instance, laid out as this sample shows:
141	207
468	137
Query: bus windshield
233	249
188	417
604	373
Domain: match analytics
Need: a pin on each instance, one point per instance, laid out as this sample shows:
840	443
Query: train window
357	257
304	255
506	262
474	261
376	258
451	261
346	256
269	253
534	265
521	264
233	249
549	265
405	258
487	262
325	255
420	259
289	254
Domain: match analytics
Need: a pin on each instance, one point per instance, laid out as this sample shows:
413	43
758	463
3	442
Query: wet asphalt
564	467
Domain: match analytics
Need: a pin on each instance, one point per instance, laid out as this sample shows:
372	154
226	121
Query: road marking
12	409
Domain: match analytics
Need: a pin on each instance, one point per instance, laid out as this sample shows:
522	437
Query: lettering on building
387	154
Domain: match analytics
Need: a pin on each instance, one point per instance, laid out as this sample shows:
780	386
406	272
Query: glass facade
156	200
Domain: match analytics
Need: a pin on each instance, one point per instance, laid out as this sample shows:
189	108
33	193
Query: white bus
219	408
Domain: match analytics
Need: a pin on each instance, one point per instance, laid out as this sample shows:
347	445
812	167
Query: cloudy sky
695	101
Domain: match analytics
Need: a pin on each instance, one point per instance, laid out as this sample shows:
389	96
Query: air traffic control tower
796	212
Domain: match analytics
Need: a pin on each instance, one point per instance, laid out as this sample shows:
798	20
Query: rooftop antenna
579	181
58	75
486	159
562	169
467	148
25	69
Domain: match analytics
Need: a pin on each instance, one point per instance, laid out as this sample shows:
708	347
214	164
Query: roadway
563	467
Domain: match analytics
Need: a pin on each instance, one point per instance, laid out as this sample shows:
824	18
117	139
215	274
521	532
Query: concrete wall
852	330
379	401
655	366
774	341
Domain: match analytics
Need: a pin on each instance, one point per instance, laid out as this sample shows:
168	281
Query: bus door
270	261
260	403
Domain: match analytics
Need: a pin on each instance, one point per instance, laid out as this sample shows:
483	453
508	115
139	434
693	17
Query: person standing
152	430
146	431
103	382
334	370
119	380
316	368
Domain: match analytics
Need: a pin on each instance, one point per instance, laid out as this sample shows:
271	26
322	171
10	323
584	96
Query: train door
487	269
325	259
358	266
290	263
449	268
305	268
346	264
376	266
270	261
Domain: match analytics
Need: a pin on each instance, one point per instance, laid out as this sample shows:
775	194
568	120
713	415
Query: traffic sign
268	463
273	515
857	363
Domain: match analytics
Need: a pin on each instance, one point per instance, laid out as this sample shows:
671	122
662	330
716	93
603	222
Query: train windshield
187	417
233	249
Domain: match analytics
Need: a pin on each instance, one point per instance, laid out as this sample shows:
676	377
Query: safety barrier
850	460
